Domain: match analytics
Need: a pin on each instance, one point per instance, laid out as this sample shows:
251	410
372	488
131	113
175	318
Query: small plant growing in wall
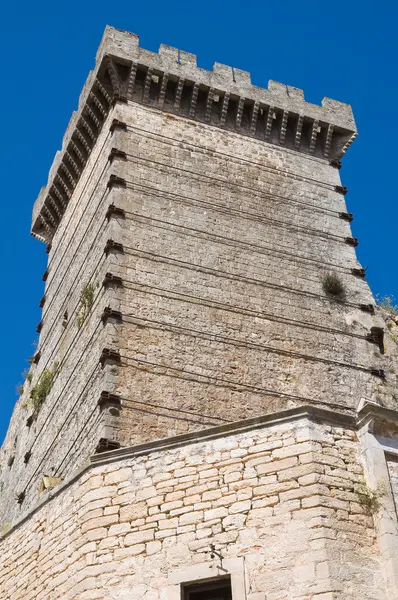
5	528
27	375
370	498
86	302
43	387
332	284
388	304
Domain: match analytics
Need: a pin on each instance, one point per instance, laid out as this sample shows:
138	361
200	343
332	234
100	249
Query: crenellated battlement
223	78
171	81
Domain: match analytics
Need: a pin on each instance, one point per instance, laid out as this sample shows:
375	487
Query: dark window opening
219	589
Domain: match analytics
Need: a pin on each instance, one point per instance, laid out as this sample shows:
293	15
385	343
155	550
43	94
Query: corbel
114	77
68	174
117	124
93	116
239	113
115	211
59	195
39	327
78	152
55	207
254	117
49	217
328	141
97	102
163	90
268	123
131	80
86	125
341	189
111	279
115	246
224	108
369	308
177	98
299	130
109	355
194	99
83	141
104	445
104	91
282	135
314	134
116	153
114	180
109	313
73	163
348	144
359	273
147	85
209	104
378	373
336	163
54	204
351	241
47	228
107	399
346	216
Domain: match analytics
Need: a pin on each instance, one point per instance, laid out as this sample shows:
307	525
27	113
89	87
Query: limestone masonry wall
226	241
279	499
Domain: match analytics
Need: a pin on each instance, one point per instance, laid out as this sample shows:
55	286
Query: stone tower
210	412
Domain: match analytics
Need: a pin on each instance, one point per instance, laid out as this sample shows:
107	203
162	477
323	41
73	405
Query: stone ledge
293	414
372	414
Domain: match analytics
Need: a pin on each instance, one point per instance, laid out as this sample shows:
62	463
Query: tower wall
223	309
190	218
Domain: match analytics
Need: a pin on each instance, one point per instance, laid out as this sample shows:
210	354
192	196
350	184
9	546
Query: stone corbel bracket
96	100
171	81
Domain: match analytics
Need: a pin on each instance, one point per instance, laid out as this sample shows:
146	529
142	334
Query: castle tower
211	411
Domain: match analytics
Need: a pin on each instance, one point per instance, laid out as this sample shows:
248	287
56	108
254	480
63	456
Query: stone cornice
171	81
372	414
95	102
211	433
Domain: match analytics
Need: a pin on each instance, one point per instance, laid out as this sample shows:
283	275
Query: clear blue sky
344	50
